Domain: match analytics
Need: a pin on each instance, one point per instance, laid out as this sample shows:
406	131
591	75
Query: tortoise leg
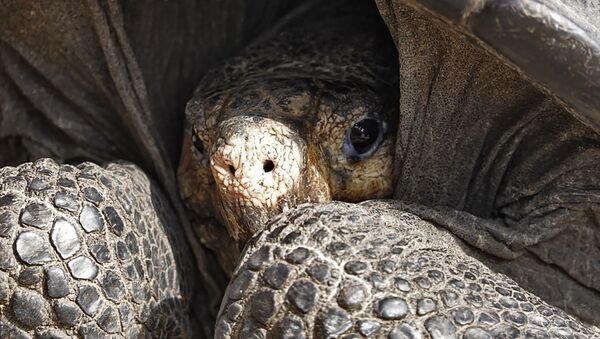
349	270
550	251
92	252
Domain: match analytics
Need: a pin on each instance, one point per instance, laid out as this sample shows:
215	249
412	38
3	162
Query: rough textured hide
320	271
92	252
499	163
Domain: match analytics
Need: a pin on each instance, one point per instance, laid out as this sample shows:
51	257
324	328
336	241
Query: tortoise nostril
268	166
231	169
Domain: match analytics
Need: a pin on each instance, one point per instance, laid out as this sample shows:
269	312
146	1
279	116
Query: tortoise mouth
243	220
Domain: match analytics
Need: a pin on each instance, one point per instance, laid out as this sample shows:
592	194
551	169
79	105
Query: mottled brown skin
304	88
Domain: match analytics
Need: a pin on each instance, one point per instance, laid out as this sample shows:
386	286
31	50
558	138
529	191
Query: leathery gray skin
90	252
268	130
371	270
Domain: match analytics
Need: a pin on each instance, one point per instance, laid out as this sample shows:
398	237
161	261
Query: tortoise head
266	133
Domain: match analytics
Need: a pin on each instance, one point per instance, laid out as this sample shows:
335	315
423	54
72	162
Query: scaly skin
92	252
372	270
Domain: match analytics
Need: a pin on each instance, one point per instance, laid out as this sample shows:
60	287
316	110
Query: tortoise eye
363	139
198	144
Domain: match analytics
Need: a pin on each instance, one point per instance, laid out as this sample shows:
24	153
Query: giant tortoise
478	118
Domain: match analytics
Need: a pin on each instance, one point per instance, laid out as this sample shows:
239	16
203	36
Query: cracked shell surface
407	280
64	274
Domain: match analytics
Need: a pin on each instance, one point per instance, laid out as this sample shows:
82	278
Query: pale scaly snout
256	162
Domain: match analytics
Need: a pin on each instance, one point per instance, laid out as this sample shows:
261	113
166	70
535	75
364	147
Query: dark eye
198	144
363	139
